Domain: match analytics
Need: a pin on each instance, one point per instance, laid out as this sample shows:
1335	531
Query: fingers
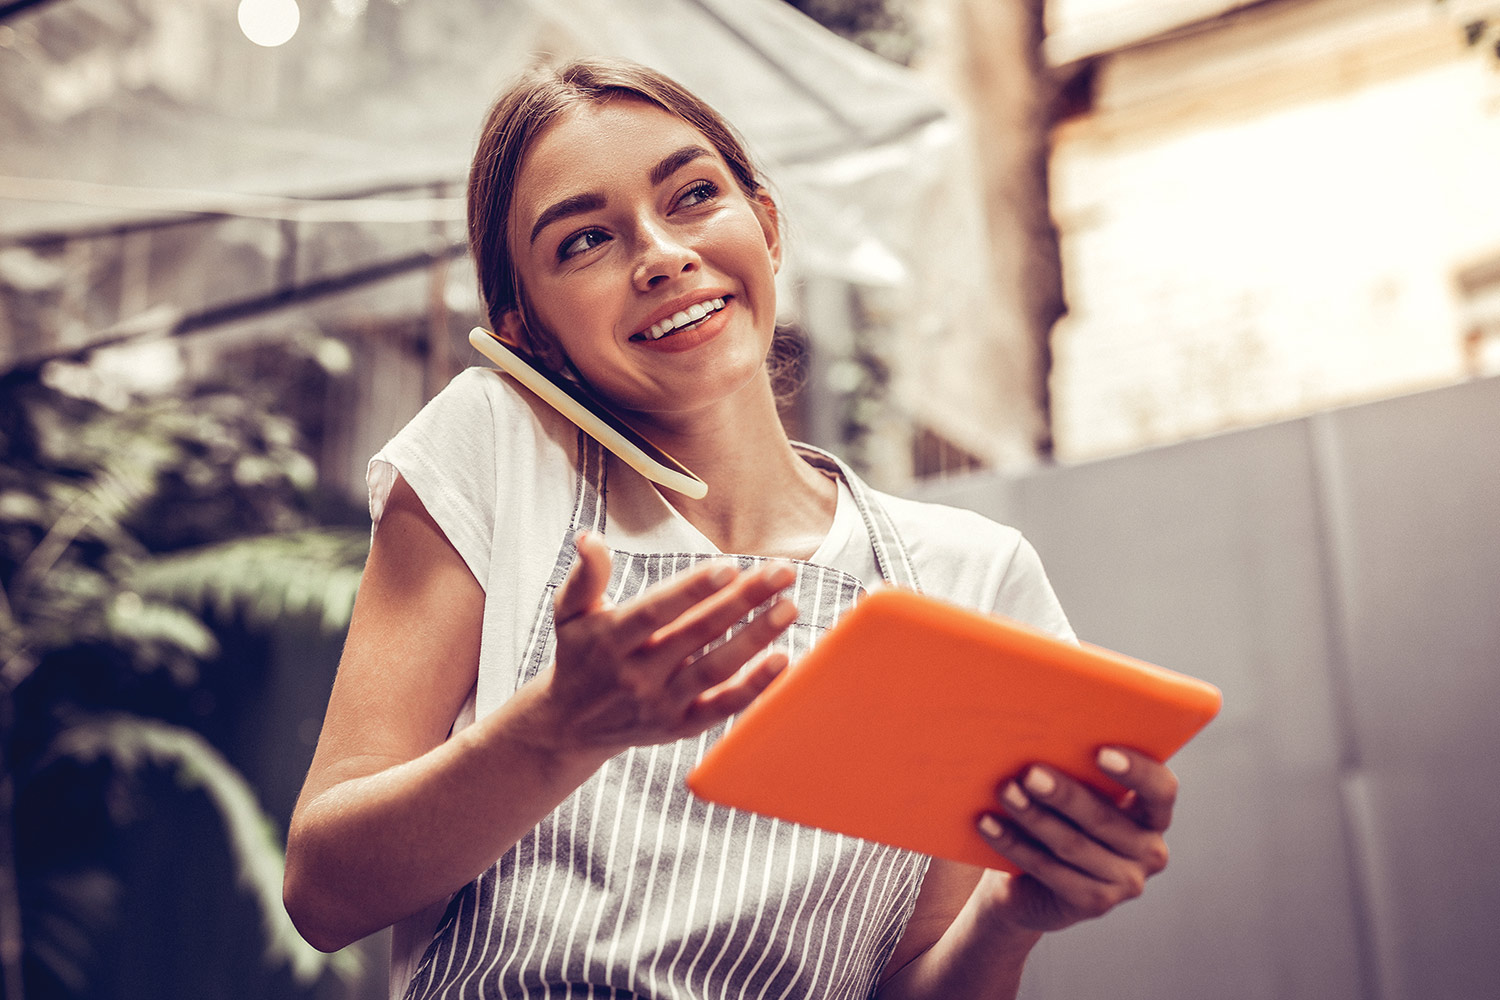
712	618
669	600
1089	852
583	590
735	695
684	614
1070	894
1080	827
644	662
1117	829
722	662
1152	784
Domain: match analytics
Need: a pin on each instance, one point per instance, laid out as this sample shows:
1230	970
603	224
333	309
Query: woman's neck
763	498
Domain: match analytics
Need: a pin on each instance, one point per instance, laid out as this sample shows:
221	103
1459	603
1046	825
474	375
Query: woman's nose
661	256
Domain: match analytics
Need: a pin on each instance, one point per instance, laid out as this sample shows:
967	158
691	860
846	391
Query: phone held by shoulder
591	415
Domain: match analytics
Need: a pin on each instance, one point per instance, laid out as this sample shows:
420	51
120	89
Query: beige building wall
1270	212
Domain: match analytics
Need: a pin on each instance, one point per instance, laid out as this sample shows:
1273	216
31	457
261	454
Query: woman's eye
579	242
698	194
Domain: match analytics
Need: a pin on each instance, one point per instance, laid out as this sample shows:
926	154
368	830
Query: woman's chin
729	390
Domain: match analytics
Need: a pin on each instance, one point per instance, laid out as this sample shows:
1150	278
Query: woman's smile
693	334
680	319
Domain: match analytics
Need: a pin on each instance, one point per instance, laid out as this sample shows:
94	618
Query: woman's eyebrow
675	161
575	205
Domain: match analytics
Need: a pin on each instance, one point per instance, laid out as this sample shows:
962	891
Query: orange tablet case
898	726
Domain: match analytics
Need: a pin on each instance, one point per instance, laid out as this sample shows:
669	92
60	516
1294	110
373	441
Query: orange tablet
899	725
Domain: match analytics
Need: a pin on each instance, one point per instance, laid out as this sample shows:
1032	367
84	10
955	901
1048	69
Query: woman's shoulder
471	437
501	393
481	450
956	532
486	408
965	557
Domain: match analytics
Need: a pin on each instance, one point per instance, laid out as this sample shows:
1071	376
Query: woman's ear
770	224
512	330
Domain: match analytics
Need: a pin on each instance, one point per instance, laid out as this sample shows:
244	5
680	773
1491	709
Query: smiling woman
525	112
545	642
637	224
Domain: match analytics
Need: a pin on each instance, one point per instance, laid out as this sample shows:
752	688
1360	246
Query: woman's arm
944	951
394	815
1080	856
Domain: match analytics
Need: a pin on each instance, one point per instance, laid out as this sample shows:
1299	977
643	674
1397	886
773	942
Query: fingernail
1040	782
990	826
1113	761
782	613
780	575
1014	797
720	575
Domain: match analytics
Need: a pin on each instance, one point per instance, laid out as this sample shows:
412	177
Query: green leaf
132	743
66	911
22	507
135	622
263	578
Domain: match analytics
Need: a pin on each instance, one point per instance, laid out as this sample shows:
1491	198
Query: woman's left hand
1080	853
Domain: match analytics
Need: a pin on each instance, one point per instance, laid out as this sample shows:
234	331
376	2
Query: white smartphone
593	416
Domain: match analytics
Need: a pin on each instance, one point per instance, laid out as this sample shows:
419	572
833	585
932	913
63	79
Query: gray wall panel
1337	577
1205	558
1418	487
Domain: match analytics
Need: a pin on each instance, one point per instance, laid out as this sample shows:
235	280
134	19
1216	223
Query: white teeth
691	314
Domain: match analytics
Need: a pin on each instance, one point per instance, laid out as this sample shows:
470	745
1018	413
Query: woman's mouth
685	319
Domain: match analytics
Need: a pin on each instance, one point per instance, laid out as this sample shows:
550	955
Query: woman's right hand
636	674
397	813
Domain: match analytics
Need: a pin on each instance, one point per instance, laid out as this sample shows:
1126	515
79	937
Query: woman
537	658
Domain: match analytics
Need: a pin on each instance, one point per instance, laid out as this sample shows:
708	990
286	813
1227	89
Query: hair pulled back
520	115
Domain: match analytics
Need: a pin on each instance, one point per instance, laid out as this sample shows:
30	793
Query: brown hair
523	113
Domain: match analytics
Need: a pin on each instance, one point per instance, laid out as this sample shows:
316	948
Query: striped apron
632	887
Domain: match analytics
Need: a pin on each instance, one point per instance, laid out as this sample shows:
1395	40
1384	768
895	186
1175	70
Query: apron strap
589	512
891	556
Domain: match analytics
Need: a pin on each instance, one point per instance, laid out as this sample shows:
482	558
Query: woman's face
642	256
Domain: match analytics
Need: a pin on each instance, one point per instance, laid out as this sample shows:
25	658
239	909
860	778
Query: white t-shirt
496	469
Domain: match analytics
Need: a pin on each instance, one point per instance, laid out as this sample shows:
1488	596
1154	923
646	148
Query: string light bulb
269	22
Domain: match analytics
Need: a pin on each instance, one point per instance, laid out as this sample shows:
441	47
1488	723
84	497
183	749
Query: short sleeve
1024	593
448	455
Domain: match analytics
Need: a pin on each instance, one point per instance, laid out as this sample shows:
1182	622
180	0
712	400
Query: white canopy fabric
359	131
116	110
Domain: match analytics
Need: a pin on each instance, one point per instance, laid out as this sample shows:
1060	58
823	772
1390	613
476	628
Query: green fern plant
126	536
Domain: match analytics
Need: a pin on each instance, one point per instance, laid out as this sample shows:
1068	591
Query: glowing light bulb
269	22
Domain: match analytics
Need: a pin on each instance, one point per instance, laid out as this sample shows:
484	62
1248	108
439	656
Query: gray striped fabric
635	888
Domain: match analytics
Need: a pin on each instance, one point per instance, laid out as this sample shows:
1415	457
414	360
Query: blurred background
1202	295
